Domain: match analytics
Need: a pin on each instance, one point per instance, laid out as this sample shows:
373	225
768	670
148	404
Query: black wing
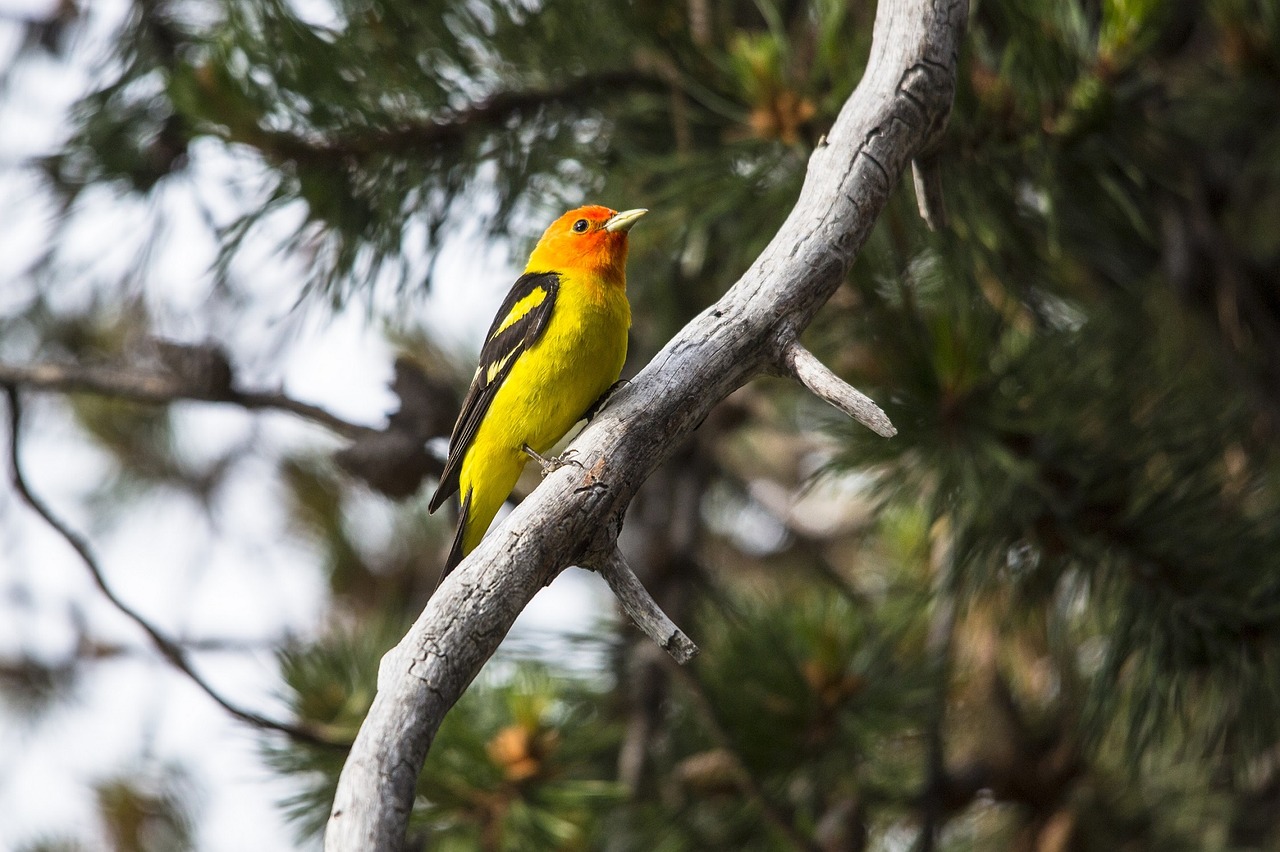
520	322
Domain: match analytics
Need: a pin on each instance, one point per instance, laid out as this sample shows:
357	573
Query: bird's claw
551	465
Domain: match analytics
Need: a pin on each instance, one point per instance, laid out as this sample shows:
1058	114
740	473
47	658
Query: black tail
455	551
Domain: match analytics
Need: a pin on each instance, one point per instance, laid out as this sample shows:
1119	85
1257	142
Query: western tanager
554	349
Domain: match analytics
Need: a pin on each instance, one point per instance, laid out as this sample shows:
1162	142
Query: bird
554	351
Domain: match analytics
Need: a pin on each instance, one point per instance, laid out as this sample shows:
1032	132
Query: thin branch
643	609
278	401
751	785
662	533
162	388
88	651
805	367
573	516
447	129
926	177
168	648
91	650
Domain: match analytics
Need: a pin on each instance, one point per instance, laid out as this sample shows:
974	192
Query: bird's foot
551	465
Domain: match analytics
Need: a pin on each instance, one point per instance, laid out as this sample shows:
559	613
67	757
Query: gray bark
573	517
643	609
805	367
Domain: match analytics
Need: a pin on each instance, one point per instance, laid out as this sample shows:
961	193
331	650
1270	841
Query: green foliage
1072	416
827	690
512	768
516	763
526	758
149	811
810	694
330	685
389	121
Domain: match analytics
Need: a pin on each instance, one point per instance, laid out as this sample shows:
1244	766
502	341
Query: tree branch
574	515
805	368
643	609
163	388
172	651
926	176
393	460
449	128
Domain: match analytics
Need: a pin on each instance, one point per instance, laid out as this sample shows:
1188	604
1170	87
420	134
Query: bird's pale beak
622	222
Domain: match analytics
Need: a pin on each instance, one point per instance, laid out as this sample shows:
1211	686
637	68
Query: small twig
162	388
168	648
805	367
644	610
750	784
275	400
926	177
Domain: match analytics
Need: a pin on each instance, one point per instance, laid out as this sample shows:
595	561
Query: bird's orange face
589	239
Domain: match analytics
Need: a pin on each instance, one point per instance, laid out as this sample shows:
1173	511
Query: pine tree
1042	617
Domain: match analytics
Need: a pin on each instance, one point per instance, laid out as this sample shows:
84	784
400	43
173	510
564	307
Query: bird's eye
581	226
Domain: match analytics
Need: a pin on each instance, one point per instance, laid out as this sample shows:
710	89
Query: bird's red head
589	239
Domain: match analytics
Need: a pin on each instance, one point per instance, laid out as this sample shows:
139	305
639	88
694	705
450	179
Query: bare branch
643	609
574	515
162	388
88	649
805	367
926	177
168	648
393	460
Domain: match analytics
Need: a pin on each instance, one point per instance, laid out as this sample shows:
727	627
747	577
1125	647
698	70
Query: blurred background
255	246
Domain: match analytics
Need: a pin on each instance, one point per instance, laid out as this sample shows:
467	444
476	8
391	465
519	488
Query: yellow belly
549	389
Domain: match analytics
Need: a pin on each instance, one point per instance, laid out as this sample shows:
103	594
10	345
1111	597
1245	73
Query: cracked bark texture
573	517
